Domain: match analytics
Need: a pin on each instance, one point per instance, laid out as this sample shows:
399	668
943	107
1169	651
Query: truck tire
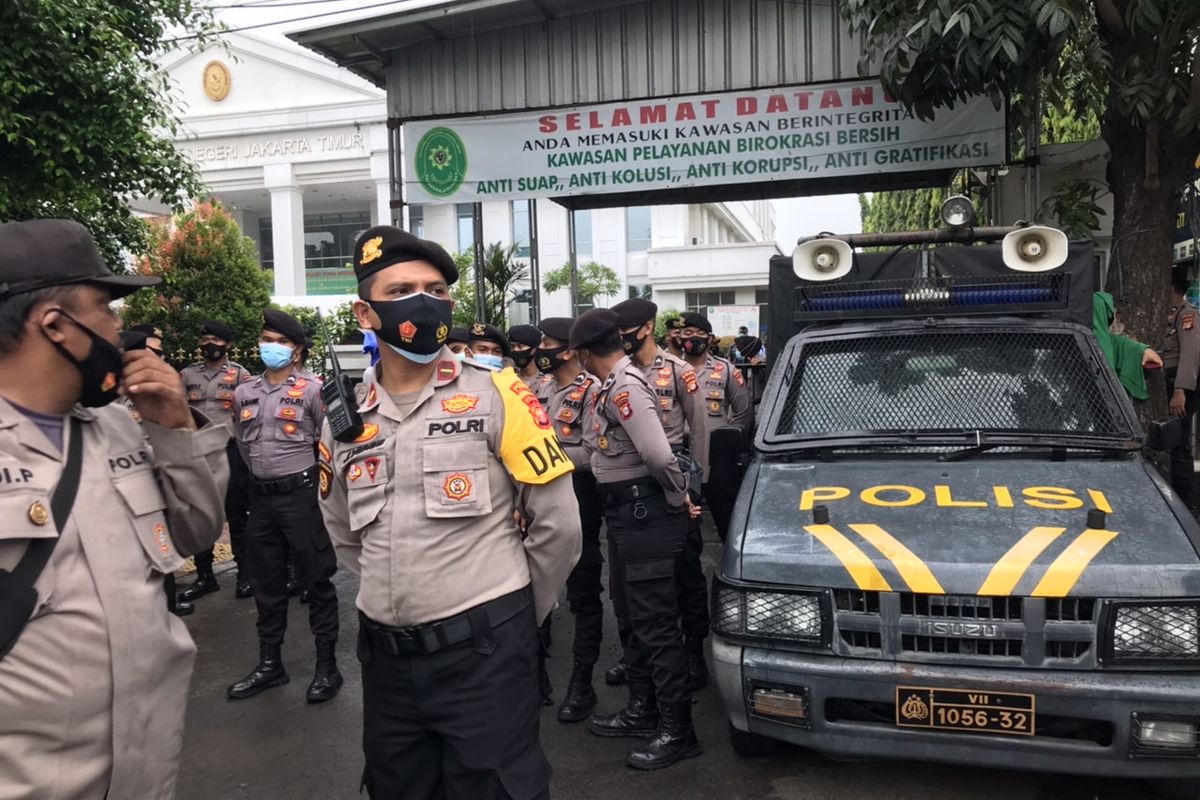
750	745
1178	788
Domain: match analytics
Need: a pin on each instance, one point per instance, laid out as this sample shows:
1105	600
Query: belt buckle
636	490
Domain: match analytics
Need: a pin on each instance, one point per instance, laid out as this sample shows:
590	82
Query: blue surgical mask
495	362
274	355
416	358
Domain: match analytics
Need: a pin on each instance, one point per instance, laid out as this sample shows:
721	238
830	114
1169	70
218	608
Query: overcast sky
794	218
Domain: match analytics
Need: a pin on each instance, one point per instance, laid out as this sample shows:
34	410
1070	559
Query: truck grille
1027	631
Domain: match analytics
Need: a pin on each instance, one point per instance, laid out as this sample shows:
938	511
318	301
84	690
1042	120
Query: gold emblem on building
38	514
216	80
371	250
915	708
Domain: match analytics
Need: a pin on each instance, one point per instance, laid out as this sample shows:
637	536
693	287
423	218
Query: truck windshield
1003	381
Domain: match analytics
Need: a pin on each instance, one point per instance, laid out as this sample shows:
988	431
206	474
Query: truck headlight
1167	632
797	616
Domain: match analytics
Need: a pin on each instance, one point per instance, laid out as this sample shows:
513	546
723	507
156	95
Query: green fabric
1124	354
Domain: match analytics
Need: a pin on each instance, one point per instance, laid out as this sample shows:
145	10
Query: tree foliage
502	274
595	280
86	119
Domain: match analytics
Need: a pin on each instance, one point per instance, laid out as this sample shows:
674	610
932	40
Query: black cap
458	334
384	245
482	332
286	324
593	326
40	253
151	330
691	319
527	335
217	329
634	311
557	328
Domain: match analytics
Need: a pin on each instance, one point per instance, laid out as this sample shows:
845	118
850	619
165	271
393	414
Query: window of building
699	302
583	233
266	244
416	221
637	229
329	250
520	227
466	225
762	300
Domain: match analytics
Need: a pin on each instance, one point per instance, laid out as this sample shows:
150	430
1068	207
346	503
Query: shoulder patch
1187	321
528	448
737	376
689	382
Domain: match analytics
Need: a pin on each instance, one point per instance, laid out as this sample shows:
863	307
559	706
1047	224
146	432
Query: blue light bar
946	294
1001	296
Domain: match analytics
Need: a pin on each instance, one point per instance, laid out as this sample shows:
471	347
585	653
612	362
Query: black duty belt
287	484
623	492
434	636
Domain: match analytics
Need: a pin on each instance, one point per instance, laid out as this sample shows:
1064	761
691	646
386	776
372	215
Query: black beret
133	340
634	311
557	328
151	330
286	324
675	323
525	334
458	334
691	319
593	326
217	329
482	332
39	253
384	245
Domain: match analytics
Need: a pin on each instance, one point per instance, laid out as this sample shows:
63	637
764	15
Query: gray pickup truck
949	545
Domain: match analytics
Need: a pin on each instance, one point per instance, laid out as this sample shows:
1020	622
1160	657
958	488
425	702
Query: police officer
489	346
1181	359
278	418
728	404
674	326
523	340
459	341
94	688
569	394
452	508
685	422
647	510
210	384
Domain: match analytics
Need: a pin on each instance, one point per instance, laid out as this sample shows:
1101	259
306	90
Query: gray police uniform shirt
210	391
278	426
681	407
726	397
630	441
1181	347
571	410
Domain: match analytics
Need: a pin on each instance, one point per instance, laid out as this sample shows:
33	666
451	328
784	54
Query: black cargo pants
647	540
237	509
277	522
584	585
1183	469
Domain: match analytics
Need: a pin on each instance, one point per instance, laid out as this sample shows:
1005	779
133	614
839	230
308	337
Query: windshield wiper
1059	450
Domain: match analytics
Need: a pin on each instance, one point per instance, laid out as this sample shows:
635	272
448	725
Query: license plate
965	710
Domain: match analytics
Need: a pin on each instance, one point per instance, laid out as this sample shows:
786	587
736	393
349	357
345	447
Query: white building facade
296	148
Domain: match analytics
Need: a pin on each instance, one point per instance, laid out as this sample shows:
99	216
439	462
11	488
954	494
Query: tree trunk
1139	276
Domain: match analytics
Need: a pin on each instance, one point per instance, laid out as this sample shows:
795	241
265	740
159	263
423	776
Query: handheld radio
341	407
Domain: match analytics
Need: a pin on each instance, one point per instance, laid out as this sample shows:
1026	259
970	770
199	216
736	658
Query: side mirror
1165	434
726	442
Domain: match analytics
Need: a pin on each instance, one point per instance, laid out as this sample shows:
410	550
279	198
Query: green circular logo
441	162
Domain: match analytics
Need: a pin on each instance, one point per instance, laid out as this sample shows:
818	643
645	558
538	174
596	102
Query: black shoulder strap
61	502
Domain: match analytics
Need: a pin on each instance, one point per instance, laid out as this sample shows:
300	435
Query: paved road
275	747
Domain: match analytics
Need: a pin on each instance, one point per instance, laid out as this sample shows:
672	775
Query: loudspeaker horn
1036	248
822	259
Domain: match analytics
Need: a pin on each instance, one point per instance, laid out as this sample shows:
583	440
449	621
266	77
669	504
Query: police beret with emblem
217	329
149	329
557	328
676	323
458	334
593	326
691	319
482	332
40	253
384	245
527	335
284	323
133	340
634	311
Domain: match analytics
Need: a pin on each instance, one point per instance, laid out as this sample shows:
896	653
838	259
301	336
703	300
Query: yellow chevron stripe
911	568
865	574
1012	565
1061	576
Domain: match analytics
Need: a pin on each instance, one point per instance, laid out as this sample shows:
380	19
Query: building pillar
287	229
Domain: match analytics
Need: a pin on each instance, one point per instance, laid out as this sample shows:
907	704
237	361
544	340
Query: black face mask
415	326
521	358
632	342
695	345
213	352
549	359
100	368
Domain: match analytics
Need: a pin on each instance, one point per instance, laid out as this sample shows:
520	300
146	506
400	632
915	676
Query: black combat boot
697	666
326	678
268	673
581	697
639	717
615	676
205	583
180	608
243	589
674	741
